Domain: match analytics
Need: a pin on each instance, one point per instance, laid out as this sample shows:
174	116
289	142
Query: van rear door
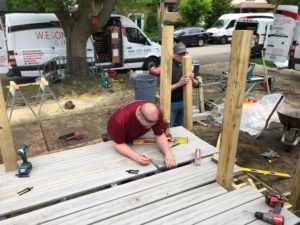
3	51
282	30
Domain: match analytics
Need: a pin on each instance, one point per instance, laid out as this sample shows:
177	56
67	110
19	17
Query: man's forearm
163	144
125	150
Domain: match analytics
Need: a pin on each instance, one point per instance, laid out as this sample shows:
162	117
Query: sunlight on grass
88	87
259	61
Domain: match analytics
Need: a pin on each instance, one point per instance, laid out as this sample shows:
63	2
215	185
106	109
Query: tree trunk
77	66
78	29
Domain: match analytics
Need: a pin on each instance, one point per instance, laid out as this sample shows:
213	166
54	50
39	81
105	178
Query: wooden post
166	71
265	71
235	92
201	95
295	192
6	141
188	93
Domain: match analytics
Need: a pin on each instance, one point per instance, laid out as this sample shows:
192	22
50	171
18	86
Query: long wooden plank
209	208
207	169
166	71
7	147
188	93
239	59
295	192
166	206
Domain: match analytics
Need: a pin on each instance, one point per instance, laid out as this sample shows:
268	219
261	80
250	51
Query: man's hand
142	159
170	161
183	81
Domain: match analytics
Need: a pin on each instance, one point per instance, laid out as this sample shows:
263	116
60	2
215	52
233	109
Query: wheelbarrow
290	118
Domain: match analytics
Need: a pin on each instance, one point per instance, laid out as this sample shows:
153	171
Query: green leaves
193	11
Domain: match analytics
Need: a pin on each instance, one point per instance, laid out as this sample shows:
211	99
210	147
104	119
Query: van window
220	23
231	24
135	36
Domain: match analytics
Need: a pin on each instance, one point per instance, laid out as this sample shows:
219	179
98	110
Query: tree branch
104	14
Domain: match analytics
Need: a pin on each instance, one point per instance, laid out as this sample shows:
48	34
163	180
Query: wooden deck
90	185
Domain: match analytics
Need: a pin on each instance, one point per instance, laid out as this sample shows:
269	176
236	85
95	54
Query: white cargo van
222	29
3	51
294	59
261	31
282	33
35	38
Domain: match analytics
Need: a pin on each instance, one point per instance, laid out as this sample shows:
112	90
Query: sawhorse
15	93
46	90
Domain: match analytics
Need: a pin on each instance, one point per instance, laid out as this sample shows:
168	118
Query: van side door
136	46
3	50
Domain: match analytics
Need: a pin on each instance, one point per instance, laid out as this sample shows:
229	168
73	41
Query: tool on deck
159	164
25	167
175	140
197	160
25	190
71	136
132	171
275	200
265	172
270	217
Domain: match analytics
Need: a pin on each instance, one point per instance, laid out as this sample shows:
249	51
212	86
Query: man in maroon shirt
133	120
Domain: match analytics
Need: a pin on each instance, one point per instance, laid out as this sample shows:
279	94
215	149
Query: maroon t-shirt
123	126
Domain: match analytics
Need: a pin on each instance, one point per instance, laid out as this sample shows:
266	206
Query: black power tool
25	167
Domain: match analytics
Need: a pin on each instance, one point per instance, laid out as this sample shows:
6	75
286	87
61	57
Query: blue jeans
176	114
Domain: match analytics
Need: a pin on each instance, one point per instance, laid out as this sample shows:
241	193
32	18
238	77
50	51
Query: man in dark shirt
178	82
133	120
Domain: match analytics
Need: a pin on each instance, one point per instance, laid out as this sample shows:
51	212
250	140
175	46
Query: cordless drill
275	200
26	166
270	217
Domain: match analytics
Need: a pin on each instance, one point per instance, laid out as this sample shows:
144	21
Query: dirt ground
91	113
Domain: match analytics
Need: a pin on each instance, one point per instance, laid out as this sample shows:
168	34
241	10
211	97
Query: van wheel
150	62
223	40
200	42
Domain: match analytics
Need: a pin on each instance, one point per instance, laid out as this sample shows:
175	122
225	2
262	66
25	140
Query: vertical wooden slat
235	91
188	94
201	95
166	71
295	192
6	141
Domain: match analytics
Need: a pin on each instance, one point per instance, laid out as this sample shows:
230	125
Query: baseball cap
179	48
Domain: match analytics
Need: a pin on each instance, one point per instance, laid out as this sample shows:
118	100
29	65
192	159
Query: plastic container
196	67
145	87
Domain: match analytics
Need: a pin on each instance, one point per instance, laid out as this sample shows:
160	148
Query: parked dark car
189	36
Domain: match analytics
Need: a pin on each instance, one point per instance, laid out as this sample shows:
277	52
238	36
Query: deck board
187	194
180	179
72	172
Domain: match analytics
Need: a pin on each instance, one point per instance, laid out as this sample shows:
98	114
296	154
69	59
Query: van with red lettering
3	51
35	38
32	40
